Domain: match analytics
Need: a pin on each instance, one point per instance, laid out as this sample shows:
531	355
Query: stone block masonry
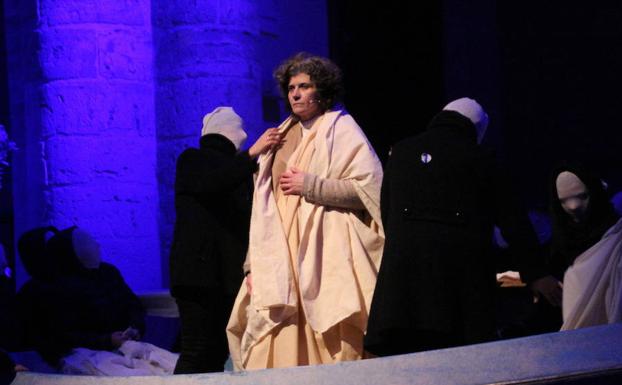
206	56
88	142
105	94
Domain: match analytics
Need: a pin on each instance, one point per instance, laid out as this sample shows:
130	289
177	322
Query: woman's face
302	96
573	196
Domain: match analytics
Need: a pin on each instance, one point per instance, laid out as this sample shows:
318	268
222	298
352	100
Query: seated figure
76	307
586	247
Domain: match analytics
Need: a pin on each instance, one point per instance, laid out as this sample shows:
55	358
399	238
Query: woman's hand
270	139
292	181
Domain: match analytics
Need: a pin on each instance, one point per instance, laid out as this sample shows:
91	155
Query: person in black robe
579	218
73	299
213	195
441	195
581	213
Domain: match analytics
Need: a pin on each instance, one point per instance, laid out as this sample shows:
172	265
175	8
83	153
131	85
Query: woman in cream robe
314	251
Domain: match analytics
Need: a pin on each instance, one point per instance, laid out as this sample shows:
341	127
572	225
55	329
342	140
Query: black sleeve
385	194
128	303
133	306
48	324
516	229
136	311
86	339
30	314
557	263
68	330
197	174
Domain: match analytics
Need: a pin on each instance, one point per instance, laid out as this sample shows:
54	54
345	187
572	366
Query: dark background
6	199
548	73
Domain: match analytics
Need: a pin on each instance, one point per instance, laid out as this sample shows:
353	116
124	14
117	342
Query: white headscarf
224	121
472	110
86	249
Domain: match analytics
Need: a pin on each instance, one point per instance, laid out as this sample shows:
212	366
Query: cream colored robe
339	250
593	284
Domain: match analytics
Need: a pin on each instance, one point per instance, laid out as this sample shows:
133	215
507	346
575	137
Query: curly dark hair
323	72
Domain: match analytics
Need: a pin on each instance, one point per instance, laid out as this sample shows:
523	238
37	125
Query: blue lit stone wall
105	94
82	105
206	57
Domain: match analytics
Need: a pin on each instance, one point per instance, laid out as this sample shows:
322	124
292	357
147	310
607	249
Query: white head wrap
570	189
472	110
86	249
224	121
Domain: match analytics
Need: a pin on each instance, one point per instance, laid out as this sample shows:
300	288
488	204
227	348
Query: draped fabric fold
312	265
593	284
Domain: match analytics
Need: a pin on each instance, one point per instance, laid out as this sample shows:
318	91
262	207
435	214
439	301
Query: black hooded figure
31	297
73	299
585	250
213	186
213	194
570	238
442	193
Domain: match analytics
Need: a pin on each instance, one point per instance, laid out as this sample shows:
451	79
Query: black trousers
203	340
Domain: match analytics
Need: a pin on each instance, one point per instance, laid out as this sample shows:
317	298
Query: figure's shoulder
345	125
342	118
408	144
189	152
109	269
191	156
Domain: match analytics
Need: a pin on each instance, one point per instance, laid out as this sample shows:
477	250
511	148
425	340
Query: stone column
83	115
206	57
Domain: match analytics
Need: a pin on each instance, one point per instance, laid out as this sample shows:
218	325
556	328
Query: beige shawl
339	250
593	284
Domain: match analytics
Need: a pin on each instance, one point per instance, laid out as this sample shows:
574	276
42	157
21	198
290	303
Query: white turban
224	121
472	110
86	249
